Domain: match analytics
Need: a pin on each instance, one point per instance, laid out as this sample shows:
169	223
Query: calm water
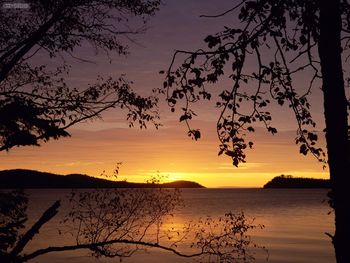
295	223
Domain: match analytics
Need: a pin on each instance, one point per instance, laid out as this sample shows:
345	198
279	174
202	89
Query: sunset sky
97	146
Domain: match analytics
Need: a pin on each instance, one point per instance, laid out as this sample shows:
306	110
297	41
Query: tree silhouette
118	222
36	103
13	207
284	37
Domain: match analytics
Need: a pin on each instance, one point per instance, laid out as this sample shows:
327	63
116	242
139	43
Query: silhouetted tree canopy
281	37
36	102
273	42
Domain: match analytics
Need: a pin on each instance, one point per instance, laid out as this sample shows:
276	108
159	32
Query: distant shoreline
31	179
287	181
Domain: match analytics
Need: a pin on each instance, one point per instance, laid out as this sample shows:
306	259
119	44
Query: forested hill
297	182
21	178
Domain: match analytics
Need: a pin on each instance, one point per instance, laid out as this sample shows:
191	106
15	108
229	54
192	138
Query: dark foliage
36	103
284	38
288	31
13	206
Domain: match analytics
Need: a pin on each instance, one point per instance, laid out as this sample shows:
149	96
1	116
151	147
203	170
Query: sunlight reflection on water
295	222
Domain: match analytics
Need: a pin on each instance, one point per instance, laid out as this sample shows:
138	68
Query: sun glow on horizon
168	152
215	179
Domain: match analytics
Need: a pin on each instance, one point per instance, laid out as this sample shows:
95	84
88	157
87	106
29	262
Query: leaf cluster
280	38
13	206
37	101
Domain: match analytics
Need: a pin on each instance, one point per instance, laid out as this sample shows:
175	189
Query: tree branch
29	43
47	215
94	246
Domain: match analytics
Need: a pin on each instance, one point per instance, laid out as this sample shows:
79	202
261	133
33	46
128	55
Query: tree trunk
335	111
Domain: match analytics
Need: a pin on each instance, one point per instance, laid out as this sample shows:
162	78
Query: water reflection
118	223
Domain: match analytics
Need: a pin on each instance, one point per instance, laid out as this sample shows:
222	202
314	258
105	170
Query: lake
295	223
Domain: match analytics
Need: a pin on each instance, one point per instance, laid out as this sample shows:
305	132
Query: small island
288	181
27	179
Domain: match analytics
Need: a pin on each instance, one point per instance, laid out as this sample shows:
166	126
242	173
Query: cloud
79	163
242	166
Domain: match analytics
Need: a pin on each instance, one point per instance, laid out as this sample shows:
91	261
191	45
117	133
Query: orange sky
169	151
98	146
